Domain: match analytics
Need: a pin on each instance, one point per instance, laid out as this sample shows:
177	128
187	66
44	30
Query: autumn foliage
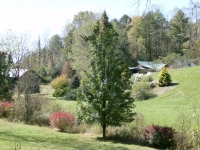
62	120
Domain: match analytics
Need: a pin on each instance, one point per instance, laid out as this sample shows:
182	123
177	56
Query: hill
179	98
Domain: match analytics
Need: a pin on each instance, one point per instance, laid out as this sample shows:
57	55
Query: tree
164	78
103	90
55	46
5	81
178	31
75	47
123	44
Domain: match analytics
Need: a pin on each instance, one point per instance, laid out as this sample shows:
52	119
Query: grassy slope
40	138
164	110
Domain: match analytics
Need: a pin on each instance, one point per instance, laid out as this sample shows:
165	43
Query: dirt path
161	90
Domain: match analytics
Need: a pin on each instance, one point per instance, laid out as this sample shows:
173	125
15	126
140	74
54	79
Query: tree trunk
104	130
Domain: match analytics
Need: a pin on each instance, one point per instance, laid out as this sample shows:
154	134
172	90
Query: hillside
177	99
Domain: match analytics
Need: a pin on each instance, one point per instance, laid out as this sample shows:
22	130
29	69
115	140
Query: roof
13	72
151	65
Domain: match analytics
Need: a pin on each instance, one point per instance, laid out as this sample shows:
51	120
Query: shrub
60	92
159	136
62	120
71	95
141	91
30	110
60	82
6	109
164	78
43	120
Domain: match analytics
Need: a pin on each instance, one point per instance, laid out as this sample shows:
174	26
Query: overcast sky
34	16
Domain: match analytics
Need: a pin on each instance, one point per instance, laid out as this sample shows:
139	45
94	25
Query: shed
28	80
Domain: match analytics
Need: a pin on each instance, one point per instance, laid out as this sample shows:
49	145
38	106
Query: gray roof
151	65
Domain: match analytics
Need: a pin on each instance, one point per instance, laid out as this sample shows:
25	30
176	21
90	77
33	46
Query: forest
149	37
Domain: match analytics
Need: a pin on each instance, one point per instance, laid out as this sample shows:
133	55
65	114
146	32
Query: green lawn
27	137
165	109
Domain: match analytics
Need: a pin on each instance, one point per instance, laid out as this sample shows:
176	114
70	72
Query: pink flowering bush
160	136
62	120
6	108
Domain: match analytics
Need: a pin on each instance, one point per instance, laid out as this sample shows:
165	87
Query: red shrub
62	120
6	108
160	136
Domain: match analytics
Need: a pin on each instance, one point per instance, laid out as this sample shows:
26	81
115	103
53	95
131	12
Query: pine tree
164	78
103	90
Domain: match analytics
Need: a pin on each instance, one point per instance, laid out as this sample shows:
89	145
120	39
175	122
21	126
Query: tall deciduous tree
104	88
55	46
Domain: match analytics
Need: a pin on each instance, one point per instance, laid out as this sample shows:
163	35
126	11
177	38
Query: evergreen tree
6	83
103	90
164	78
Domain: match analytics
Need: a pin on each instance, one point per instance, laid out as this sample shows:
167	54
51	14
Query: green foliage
164	78
75	82
104	87
178	31
6	83
59	92
141	91
71	95
61	85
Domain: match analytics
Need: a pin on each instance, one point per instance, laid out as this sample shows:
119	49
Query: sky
38	16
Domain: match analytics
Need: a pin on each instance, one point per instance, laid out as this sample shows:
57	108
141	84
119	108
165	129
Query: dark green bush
60	92
71	95
75	82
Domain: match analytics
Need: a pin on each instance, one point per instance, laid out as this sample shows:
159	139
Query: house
151	65
27	79
145	66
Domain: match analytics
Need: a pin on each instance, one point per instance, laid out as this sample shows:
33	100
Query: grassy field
165	109
25	137
178	98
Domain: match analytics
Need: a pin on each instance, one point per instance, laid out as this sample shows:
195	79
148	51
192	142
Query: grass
25	137
165	109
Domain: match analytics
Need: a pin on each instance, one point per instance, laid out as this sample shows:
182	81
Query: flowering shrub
6	108
160	136
62	120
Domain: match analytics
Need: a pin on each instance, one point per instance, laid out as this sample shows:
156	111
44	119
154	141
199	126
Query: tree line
150	36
